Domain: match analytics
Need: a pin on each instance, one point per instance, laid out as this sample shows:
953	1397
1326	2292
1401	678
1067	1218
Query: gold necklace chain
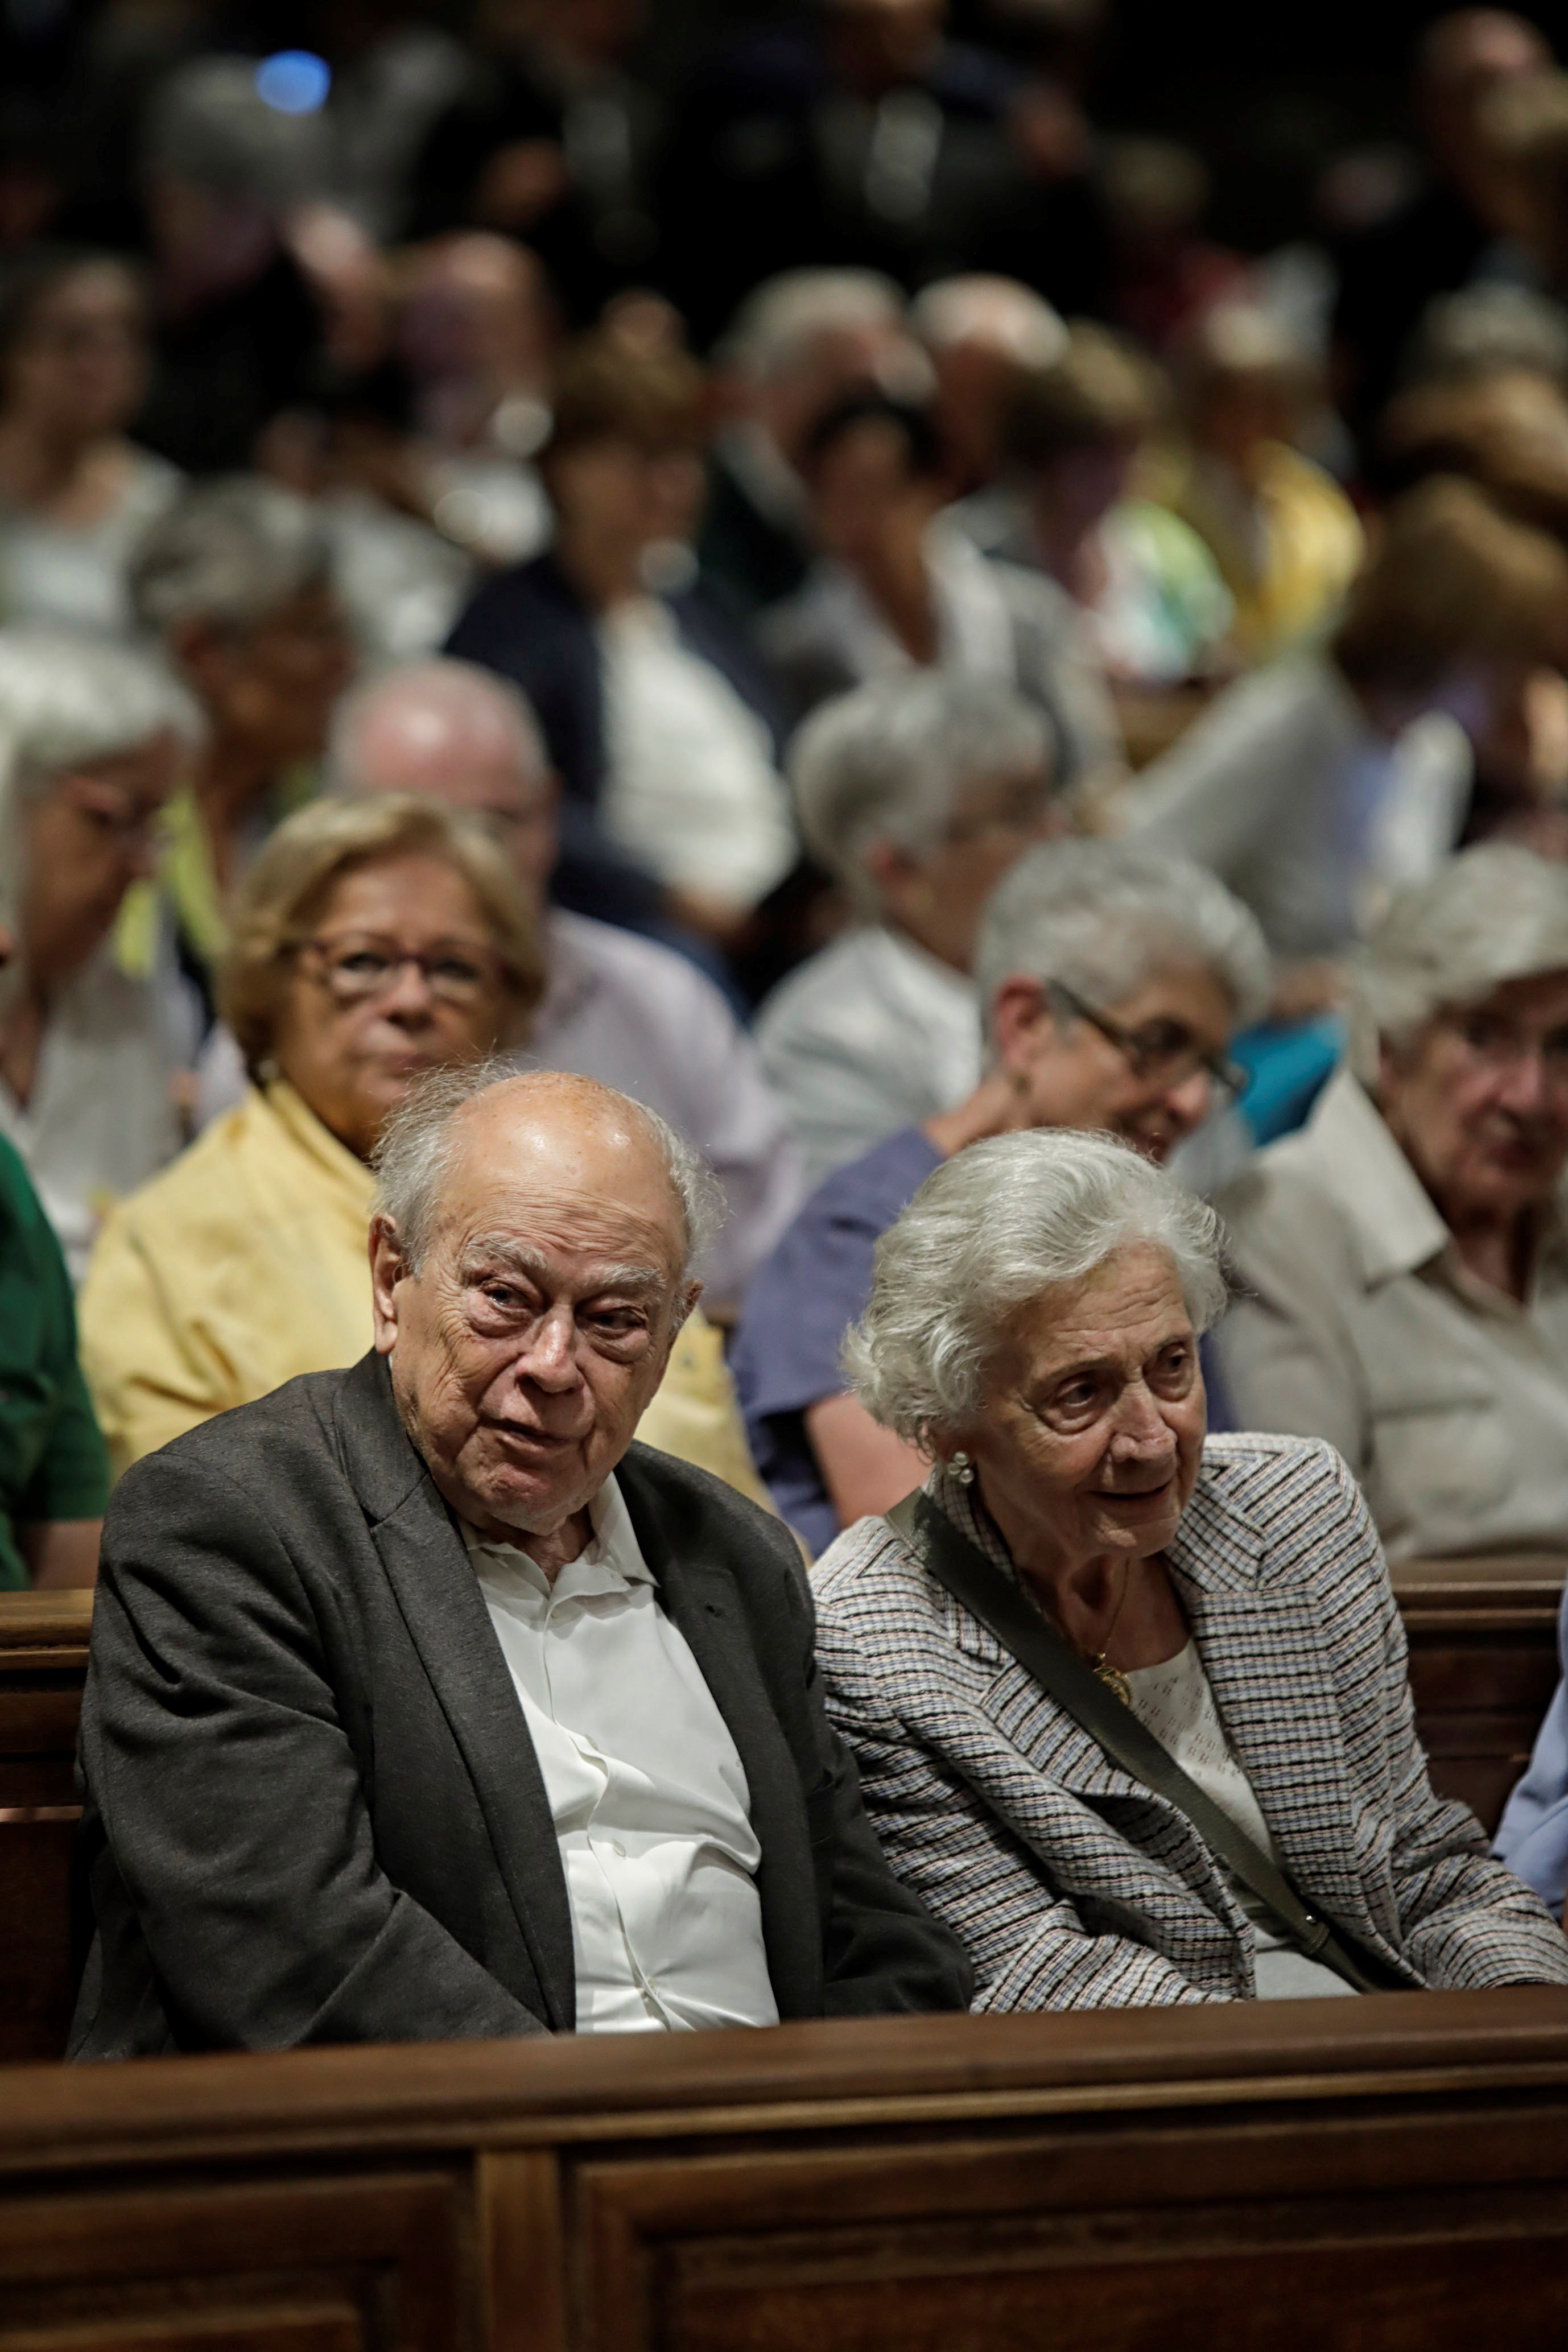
1113	1676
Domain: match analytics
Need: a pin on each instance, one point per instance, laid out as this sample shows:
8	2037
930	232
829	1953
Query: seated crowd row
1007	985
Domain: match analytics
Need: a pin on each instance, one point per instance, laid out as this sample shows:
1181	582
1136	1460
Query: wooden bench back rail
1483	1665
1295	2177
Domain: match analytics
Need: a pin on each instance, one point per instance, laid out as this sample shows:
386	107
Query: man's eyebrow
518	1258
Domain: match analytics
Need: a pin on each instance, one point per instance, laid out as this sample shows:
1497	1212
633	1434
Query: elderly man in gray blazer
424	1704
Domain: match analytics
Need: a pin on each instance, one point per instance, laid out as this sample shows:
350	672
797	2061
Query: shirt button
617	1849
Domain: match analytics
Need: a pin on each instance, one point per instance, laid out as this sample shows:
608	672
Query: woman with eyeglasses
373	940
1112	982
1404	1259
93	739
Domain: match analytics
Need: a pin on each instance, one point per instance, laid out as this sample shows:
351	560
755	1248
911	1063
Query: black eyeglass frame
1230	1078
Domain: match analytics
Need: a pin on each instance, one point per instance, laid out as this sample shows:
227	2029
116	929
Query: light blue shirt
1533	1837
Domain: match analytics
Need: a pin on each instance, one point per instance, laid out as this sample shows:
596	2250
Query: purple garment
815	1284
1532	1836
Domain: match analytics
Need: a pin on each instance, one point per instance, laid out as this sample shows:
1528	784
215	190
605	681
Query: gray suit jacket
314	1811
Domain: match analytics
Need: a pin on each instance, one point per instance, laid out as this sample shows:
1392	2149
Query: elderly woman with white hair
92	738
1129	1707
916	794
1112	982
1403	1258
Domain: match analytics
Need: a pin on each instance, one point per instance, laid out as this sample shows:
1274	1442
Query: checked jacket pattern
1070	1884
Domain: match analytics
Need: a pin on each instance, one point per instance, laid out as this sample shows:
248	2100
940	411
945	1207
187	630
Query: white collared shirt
646	1787
691	789
871	1034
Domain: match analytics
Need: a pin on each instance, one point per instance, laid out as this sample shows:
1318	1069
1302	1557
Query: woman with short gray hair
1404	1260
92	739
1065	1665
916	794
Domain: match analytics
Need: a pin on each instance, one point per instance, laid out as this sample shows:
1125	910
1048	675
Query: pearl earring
961	1468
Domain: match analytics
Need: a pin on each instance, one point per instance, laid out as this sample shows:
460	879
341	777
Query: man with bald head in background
424	1705
618	1007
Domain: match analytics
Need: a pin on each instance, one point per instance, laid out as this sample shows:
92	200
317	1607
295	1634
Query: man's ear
891	871
682	1309
387	1267
1020	1014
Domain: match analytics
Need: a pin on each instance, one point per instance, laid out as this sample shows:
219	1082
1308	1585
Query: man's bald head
530	1259
450	731
468	1120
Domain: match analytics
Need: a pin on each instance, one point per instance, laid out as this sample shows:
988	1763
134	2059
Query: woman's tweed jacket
1073	1886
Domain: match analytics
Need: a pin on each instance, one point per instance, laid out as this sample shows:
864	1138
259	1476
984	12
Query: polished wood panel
308	2264
1371	2175
43	1661
1483	1666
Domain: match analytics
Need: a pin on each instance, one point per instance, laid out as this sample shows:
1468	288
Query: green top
53	1465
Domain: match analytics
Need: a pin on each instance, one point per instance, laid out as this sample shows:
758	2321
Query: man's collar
611	1561
1395	1222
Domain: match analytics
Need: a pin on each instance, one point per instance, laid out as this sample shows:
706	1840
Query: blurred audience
54	1472
623	1010
370	942
916	797
860	136
553	135
1112	982
1324	779
1285	538
799	345
1403	1269
237	582
656	714
92	741
74	494
476	334
981	335
1153	603
1161	273
1431	243
238	339
898	587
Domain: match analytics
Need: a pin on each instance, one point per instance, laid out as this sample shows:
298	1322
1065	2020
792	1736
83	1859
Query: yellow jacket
1289	583
245	1262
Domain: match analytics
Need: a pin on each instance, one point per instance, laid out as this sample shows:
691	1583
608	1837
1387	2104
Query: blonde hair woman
373	940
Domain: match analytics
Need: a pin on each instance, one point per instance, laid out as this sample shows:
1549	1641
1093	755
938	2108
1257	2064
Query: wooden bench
1388	2174
43	1659
1483	1665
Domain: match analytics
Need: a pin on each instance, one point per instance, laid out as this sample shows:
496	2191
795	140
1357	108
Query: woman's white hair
1000	1224
1103	917
1494	913
888	761
67	702
416	1153
233	552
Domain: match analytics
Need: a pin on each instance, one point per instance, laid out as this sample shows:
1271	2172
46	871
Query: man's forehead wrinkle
510	1250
